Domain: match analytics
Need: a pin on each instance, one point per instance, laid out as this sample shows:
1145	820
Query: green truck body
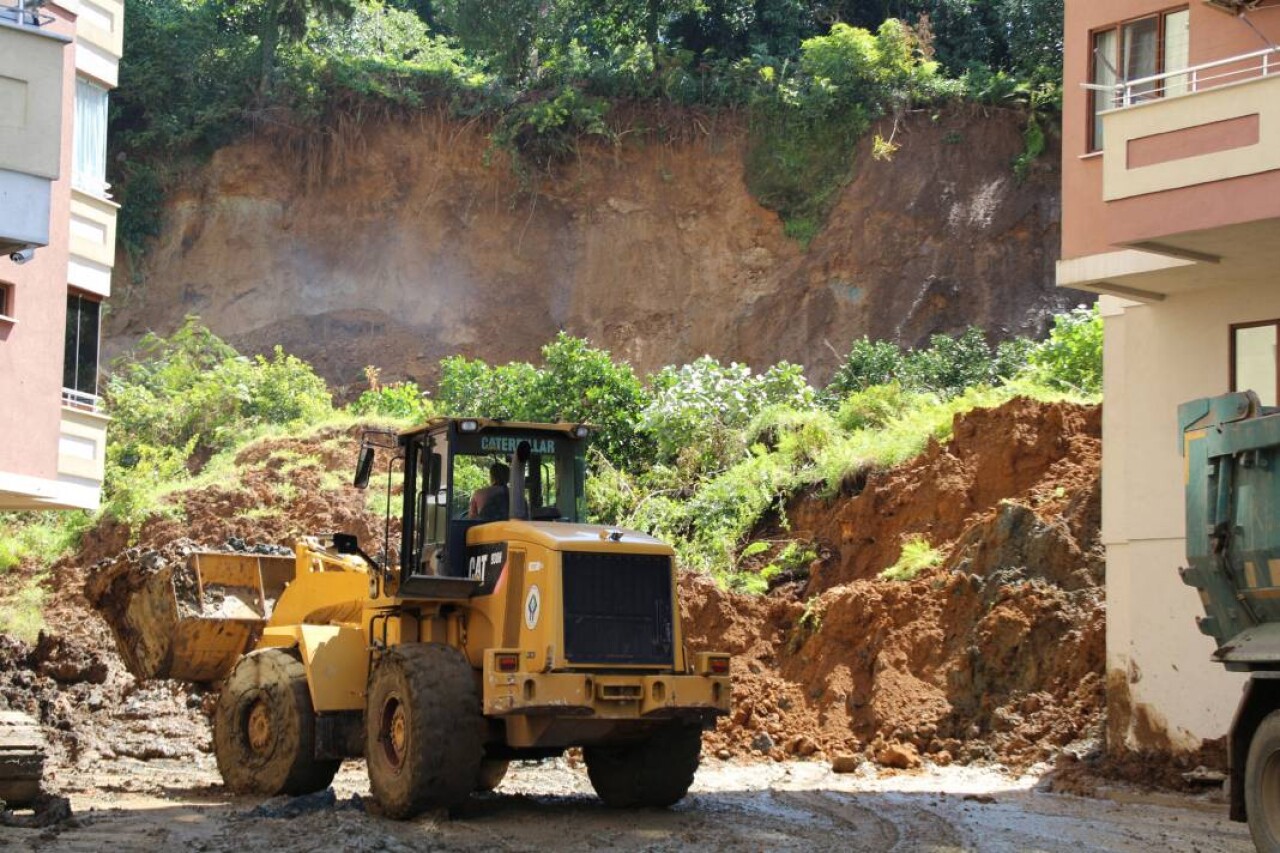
1231	450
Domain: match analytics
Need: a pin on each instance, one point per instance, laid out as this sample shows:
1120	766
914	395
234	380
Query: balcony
1212	122
1190	181
31	81
82	452
100	39
93	242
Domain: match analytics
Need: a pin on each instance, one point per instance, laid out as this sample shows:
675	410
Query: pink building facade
57	247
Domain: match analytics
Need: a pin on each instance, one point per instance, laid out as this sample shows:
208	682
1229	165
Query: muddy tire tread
654	773
293	769
444	727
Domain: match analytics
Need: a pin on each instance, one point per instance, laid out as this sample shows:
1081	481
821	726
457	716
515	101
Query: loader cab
449	459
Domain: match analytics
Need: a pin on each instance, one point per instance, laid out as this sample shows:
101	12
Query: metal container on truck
1231	448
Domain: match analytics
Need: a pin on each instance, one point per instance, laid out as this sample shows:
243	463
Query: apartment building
58	61
1171	210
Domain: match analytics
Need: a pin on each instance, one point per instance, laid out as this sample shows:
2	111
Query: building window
1254	362
6	301
1133	50
80	359
89	171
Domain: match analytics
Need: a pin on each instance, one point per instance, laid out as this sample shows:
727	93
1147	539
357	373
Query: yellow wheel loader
506	629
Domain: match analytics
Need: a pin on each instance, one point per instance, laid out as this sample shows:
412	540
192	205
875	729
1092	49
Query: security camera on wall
23	255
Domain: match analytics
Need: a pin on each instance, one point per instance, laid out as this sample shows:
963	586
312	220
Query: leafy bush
697	412
175	402
544	131
1071	359
576	383
949	364
869	363
403	401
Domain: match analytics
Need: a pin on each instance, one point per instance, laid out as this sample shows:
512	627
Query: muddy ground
179	805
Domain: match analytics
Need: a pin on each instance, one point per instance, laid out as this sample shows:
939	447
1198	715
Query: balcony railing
81	400
1185	81
26	13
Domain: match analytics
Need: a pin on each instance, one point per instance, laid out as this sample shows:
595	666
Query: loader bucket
189	621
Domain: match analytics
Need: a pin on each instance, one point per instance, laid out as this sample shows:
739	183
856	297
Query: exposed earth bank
397	243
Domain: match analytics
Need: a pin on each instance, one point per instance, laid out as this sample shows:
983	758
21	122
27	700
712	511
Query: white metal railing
1184	81
26	13
81	400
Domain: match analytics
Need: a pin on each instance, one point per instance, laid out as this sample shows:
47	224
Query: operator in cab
492	503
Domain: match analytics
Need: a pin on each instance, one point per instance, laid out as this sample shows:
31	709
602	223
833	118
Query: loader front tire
1262	784
264	728
424	729
656	772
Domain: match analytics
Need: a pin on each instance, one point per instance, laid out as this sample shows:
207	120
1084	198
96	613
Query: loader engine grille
617	608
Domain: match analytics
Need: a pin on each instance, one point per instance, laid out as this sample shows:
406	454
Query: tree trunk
651	29
269	38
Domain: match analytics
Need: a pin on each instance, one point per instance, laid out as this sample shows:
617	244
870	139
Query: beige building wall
1163	690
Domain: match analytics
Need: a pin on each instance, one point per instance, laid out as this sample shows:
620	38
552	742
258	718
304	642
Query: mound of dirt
997	654
1045	456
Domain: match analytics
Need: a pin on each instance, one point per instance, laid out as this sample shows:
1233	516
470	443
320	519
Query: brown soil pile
997	654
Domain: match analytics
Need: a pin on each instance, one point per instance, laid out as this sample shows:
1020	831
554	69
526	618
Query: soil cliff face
401	242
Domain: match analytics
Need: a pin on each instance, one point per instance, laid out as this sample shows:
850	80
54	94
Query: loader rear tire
651	773
264	728
424	729
1262	784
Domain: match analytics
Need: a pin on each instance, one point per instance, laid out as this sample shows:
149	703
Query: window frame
1160	16
8	313
1231	341
74	293
96	183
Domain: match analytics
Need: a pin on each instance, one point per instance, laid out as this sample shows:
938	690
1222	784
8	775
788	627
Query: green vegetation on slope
699	454
544	75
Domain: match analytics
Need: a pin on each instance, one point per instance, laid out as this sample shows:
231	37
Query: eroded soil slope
995	654
396	243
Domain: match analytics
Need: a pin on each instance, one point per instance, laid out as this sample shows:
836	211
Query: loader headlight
469	426
580	431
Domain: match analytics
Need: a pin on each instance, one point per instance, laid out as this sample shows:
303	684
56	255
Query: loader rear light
506	662
469	426
711	663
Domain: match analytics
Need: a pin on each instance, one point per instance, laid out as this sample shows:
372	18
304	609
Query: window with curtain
89	171
1255	365
1146	47
80	358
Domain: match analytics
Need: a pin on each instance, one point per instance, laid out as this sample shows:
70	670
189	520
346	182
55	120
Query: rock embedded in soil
845	763
901	756
66	661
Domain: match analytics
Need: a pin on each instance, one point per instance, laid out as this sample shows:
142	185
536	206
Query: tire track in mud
904	827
